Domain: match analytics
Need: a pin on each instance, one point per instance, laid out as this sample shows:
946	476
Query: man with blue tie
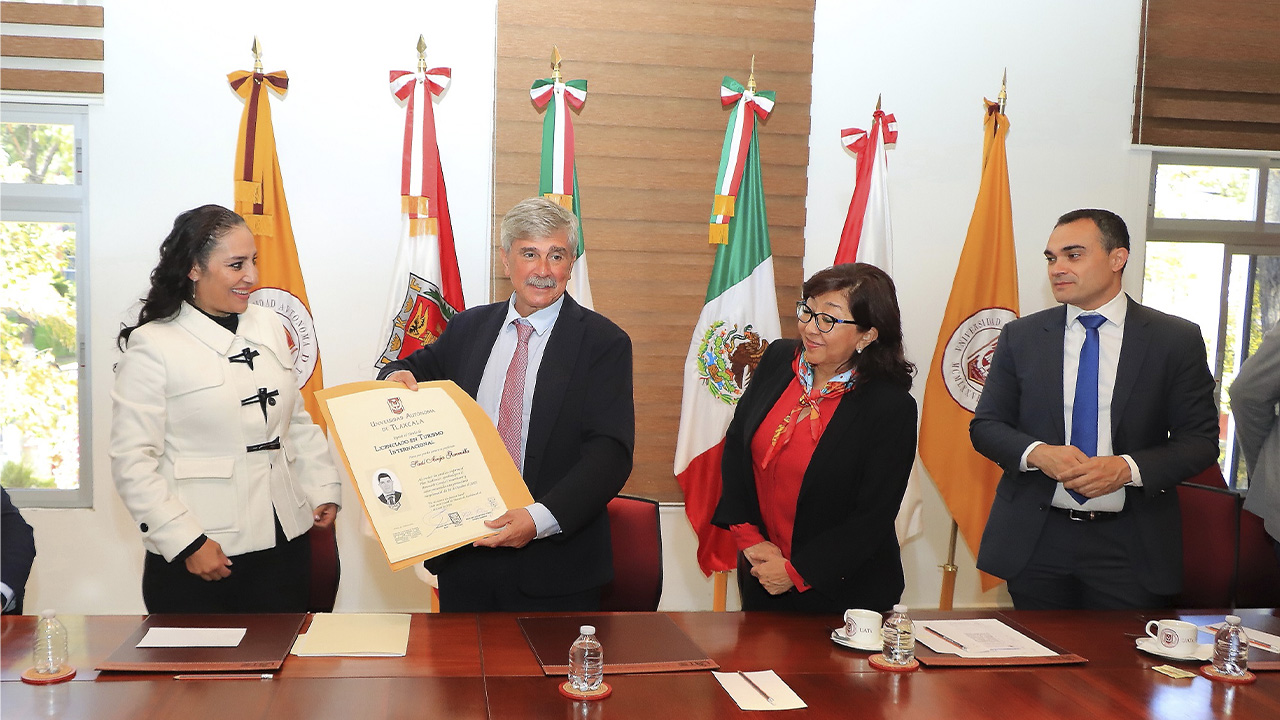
1096	410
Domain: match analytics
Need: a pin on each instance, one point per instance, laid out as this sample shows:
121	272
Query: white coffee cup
862	627
1174	636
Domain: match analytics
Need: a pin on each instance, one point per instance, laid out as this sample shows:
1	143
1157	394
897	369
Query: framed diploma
428	465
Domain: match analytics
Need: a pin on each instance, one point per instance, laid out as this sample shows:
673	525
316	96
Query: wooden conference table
479	666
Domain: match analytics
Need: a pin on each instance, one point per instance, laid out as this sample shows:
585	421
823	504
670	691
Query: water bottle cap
587	629
1233	619
899	608
49	614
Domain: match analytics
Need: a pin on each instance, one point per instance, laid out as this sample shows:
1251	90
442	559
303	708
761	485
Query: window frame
61	204
1237	237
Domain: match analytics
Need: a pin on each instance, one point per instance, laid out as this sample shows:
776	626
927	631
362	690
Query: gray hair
538	217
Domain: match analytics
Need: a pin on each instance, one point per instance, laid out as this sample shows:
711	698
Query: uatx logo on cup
1169	638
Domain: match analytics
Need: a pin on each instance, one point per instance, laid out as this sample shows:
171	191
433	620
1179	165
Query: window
43	305
1213	257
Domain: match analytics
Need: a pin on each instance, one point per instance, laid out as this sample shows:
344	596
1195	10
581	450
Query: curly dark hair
195	233
873	301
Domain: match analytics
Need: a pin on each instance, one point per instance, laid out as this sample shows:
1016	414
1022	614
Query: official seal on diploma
433	453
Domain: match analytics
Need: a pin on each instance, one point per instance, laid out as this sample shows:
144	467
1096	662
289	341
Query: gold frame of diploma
428	466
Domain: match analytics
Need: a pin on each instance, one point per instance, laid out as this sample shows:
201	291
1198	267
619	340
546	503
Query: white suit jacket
184	416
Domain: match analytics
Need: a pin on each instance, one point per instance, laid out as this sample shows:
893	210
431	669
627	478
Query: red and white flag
426	290
866	236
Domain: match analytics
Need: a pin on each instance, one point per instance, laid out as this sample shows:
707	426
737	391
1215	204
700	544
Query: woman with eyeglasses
817	456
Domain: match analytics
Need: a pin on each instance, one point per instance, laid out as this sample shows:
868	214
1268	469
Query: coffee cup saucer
838	637
1204	651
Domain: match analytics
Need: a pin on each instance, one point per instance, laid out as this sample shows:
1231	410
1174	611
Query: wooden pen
758	689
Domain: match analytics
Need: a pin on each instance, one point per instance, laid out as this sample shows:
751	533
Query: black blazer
843	544
19	550
1162	415
581	436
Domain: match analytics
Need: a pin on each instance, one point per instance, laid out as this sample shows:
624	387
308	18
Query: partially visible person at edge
212	449
818	453
555	378
1254	395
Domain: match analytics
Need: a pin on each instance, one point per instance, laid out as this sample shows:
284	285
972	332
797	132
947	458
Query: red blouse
778	486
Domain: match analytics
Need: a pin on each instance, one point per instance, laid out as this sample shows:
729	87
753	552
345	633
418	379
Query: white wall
164	141
1072	67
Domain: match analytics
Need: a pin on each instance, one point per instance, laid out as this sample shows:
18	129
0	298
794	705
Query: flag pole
256	49
948	596
422	53
720	590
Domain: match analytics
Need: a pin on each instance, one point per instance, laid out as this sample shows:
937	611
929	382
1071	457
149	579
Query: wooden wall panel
50	77
648	148
1209	76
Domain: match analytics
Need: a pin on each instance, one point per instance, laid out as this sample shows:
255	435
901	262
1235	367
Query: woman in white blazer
212	450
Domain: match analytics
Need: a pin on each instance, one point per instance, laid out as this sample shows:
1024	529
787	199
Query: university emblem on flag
299	328
967	358
726	359
396	405
421	319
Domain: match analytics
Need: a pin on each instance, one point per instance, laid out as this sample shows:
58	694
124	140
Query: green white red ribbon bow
556	179
748	105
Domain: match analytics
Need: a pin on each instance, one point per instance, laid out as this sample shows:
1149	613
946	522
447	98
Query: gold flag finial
257	55
555	63
1004	95
751	79
422	54
878	98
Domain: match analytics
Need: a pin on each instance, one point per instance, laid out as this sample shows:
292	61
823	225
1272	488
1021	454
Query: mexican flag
739	319
558	174
426	289
259	199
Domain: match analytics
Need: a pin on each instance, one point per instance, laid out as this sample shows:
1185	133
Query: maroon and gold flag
259	199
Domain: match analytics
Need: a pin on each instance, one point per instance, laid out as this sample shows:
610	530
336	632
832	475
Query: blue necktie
1084	413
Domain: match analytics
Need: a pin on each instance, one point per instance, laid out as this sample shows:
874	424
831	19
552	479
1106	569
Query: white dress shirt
1110	339
489	394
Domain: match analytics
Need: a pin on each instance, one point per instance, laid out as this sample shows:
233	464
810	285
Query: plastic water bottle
1231	648
899	637
51	644
586	661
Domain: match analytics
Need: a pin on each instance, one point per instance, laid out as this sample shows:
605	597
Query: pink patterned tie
511	409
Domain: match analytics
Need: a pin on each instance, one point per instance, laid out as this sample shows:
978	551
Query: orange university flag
984	296
259	199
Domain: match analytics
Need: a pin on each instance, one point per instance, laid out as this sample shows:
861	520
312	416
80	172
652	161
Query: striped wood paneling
1209	75
51	48
648	147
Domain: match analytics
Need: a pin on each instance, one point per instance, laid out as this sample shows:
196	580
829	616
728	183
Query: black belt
268	445
1087	515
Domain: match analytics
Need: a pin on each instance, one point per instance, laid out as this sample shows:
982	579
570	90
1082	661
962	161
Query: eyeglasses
825	322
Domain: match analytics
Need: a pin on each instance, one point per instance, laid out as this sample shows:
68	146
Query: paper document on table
355	635
754	698
978	638
163	637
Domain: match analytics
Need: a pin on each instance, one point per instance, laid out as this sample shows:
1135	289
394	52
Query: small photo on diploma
428	465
